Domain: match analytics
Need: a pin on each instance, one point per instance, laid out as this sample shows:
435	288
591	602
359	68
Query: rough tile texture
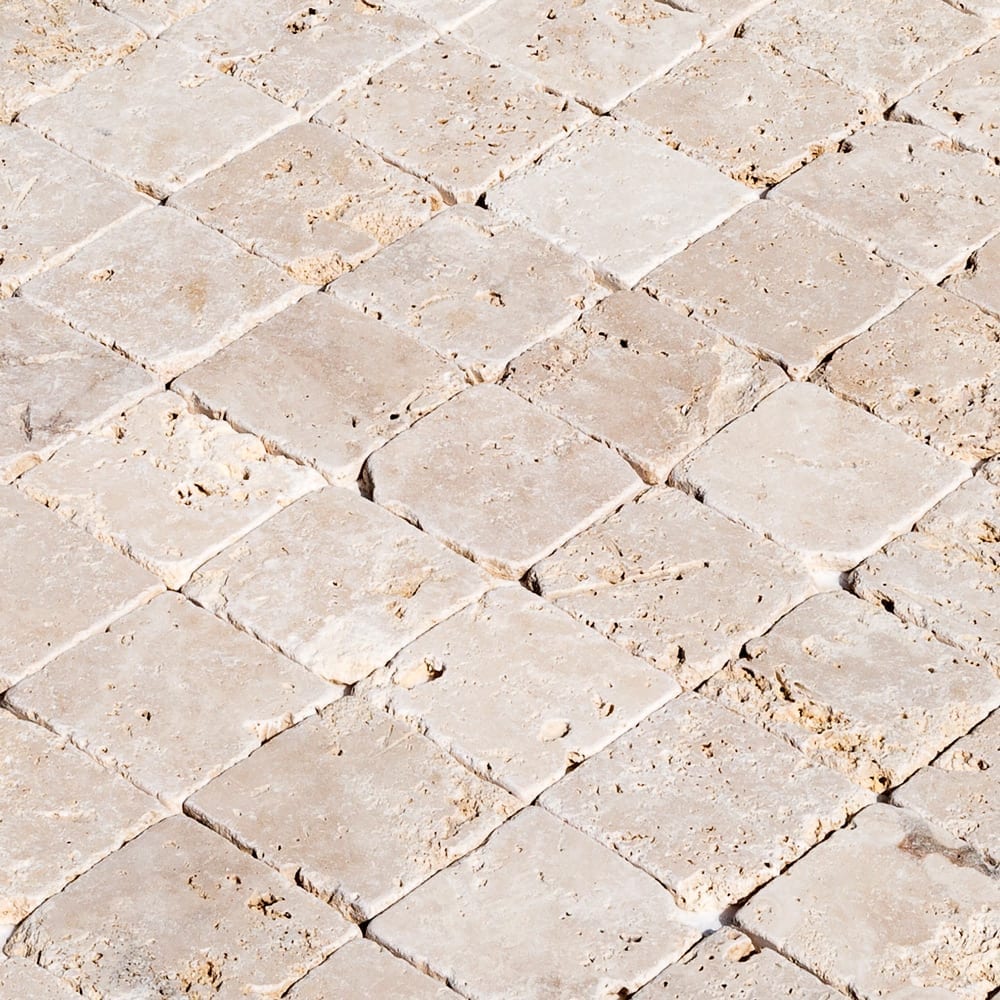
154	16
979	280
21	978
442	14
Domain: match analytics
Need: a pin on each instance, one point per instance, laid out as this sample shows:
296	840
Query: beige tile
725	13
442	14
979	280
21	978
154	16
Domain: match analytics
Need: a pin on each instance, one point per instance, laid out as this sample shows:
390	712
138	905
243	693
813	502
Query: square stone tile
683	381
979	280
337	584
473	287
353	806
173	697
455	117
906	192
183	913
536	891
519	691
160	119
163	290
672	199
497	479
57	586
312	200
819	476
21	978
926	927
673	582
167	486
858	690
154	16
442	14
323	384
62	813
933	368
54	383
984	8
773	281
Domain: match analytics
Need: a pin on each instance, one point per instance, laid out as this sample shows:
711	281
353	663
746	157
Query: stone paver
979	280
558	692
21	978
154	16
444	15
467	472
337	584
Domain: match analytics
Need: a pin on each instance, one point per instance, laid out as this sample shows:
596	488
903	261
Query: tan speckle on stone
979	280
21	978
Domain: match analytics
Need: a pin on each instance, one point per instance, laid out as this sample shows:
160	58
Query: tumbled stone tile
57	586
683	382
927	925
323	384
182	913
819	476
729	107
61	814
453	116
167	486
154	16
933	368
557	692
771	280
337	584
312	200
443	14
163	290
725	13
21	978
174	696
907	192
672	199
473	287
160	119
979	280
497	479
353	806
857	689
985	8
54	383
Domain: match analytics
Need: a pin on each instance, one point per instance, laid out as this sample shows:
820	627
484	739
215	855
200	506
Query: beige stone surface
857	689
337	584
497	479
353	806
155	16
173	697
54	384
926	927
683	381
672	199
933	368
819	475
538	889
985	8
312	200
473	287
21	978
163	290
167	486
61	814
979	280
323	384
455	117
182	913
557	693
442	14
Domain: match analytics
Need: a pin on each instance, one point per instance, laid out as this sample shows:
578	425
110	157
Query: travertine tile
979	280
819	475
573	198
773	281
57	586
160	119
725	13
539	889
985	8
312	200
182	913
337	584
323	384
173	696
556	692
169	487
683	382
61	814
354	806
455	117
163	290
154	16
858	690
473	287
927	926
442	14
933	368
54	383
21	978
906	191
497	479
